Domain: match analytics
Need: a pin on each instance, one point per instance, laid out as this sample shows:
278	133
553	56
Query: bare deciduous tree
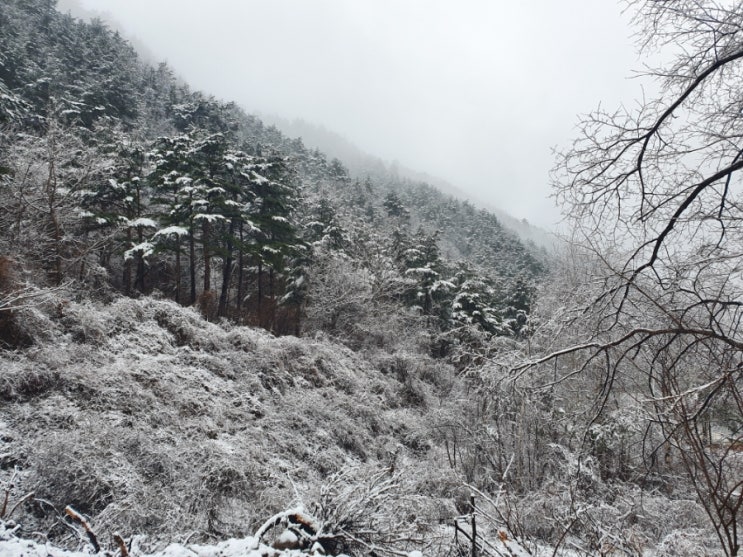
654	194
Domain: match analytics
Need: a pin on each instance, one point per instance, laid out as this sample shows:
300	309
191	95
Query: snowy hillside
214	336
153	420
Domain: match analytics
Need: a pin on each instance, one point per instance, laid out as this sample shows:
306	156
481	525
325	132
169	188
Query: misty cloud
476	92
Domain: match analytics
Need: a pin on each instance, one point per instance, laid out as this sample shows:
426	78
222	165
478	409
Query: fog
477	92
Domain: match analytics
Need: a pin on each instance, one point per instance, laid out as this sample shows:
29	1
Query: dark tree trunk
240	273
192	263
139	284
178	270
226	271
272	308
260	292
128	265
207	257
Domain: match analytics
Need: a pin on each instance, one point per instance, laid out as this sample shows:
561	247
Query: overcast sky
477	92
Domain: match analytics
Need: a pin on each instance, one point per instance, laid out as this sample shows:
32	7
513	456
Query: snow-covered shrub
421	378
18	382
346	303
240	339
690	542
411	393
35	325
12	333
616	441
367	510
84	323
339	295
168	425
185	326
661	515
437	374
611	516
464	347
67	475
561	501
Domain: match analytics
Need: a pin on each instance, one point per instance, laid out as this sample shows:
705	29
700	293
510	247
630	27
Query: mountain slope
151	419
361	165
137	178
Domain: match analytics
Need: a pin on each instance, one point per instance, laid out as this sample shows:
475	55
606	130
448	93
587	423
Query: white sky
477	92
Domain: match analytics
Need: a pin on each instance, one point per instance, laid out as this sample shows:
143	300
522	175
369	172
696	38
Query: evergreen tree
174	198
475	302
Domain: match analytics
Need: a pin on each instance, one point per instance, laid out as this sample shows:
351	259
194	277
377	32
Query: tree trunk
128	265
56	231
260	292
178	269
226	271
139	283
81	274
272	297
192	263
240	273
207	257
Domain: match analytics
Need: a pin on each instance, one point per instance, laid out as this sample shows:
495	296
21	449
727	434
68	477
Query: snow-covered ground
12	546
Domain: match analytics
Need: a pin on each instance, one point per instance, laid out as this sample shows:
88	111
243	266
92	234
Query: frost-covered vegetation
145	412
216	341
152	421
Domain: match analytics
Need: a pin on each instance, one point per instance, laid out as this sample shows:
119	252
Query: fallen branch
122	546
8	487
20	502
5	502
77	517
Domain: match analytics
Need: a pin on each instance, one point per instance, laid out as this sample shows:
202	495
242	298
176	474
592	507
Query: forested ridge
209	331
116	172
